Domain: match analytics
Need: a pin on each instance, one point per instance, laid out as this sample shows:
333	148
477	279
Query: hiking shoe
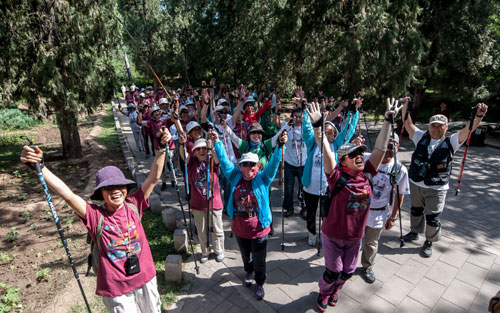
288	213
426	251
163	187
220	257
368	275
249	279
259	293
333	298
323	302
204	259
312	240
410	236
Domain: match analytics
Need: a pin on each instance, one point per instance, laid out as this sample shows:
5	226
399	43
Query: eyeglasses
248	164
354	154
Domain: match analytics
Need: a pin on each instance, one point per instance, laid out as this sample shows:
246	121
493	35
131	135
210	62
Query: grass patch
108	136
10	148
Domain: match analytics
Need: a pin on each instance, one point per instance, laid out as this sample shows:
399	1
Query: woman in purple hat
127	275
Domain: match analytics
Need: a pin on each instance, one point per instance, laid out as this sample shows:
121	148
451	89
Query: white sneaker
312	240
220	257
204	259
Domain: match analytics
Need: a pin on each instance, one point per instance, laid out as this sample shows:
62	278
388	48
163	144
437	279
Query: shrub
16	119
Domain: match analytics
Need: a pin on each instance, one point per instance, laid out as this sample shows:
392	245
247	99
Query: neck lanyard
126	241
295	143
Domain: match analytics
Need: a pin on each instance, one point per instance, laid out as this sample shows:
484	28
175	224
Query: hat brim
113	181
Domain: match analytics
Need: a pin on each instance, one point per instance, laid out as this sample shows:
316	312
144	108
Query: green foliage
16	119
9	299
108	136
26	215
42	274
12	235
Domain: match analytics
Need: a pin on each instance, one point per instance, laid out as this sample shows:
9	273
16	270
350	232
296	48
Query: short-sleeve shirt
350	207
382	192
198	185
433	144
245	201
117	239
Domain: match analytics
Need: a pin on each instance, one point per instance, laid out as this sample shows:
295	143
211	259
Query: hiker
123	89
312	168
381	216
129	98
249	207
430	171
132	115
142	119
344	225
127	275
197	165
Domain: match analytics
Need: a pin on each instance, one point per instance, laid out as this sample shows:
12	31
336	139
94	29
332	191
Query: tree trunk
70	137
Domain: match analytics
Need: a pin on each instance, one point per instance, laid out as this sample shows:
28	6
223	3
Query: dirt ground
32	256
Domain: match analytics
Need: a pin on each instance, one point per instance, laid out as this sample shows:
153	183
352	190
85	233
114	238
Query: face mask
249	173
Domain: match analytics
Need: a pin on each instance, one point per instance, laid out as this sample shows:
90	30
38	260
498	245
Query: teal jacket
308	136
260	184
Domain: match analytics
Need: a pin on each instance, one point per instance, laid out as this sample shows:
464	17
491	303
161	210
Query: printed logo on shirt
117	246
379	185
200	179
245	199
359	199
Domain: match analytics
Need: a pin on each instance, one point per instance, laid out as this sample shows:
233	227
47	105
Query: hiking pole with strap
282	183
320	185
471	123
394	181
188	198
58	224
171	168
209	196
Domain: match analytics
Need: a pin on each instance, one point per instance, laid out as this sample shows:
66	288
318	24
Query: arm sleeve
234	138
308	134
272	167
353	122
261	111
284	127
226	165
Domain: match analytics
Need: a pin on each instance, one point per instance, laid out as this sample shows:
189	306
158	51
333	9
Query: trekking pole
58	224
395	182
176	185
188	197
320	187
142	56
471	122
208	198
282	183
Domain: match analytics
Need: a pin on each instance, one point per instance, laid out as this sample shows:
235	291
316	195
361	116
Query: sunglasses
248	164
354	154
223	112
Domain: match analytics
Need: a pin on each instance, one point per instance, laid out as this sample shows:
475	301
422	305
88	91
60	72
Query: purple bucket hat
109	176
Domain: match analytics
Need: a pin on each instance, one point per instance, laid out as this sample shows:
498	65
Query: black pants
312	207
290	173
147	139
253	253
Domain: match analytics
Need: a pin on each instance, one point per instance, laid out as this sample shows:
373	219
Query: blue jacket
308	136
260	184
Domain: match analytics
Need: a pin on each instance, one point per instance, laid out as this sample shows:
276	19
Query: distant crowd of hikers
229	144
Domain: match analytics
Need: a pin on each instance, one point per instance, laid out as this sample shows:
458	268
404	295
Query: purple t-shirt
350	207
197	172
117	239
244	200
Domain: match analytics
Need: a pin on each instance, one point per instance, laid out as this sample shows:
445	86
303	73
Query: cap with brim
163	101
255	128
220	108
200	143
182	108
335	130
142	95
109	176
191	125
348	148
439	119
221	102
249	100
131	107
249	157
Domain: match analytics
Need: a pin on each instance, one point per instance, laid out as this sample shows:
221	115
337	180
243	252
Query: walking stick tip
457	191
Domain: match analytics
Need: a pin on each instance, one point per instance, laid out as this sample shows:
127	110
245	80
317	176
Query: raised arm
164	137
271	168
33	155
383	136
481	110
409	126
234	138
316	117
337	111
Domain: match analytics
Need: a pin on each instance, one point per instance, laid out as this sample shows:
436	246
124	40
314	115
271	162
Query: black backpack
93	258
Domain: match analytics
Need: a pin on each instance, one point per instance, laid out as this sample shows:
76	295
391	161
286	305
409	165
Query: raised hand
392	108
205	96
243	91
314	112
182	137
283	137
31	155
213	136
481	109
358	141
164	136
212	82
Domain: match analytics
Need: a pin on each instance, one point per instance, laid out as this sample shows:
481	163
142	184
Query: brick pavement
461	276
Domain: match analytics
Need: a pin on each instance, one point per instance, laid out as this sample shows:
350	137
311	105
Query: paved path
461	276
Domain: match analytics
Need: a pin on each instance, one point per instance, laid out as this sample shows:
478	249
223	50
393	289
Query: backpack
93	258
341	182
